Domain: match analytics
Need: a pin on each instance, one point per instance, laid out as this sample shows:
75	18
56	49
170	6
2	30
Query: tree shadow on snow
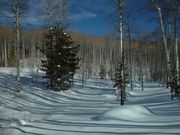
38	81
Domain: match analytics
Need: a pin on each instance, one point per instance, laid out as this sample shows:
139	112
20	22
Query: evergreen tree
61	60
174	84
102	72
121	78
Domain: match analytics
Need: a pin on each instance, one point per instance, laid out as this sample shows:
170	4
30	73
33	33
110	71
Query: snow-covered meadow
94	109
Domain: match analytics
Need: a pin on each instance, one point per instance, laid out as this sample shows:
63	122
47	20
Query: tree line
150	56
95	52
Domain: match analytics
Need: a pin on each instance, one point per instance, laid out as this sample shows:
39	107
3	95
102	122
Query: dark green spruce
102	73
174	85
120	80
61	60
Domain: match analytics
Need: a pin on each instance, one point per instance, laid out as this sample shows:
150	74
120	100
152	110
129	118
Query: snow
90	110
19	123
129	113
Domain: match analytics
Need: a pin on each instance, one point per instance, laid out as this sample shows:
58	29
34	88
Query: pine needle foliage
174	85
61	60
121	78
102	73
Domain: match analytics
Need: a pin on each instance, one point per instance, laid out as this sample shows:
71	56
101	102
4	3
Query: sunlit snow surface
92	110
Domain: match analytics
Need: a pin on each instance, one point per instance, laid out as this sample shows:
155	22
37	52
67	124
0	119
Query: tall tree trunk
17	45
5	52
111	59
141	67
83	66
177	60
2	55
168	65
33	51
23	49
123	85
120	8
120	27
23	54
176	47
130	44
177	50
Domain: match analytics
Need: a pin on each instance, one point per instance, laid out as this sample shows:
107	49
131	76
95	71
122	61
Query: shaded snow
90	110
128	112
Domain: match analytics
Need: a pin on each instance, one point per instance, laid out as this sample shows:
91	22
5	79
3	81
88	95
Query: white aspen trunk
111	59
122	92
121	27
177	60
17	44
177	55
2	53
8	49
32	59
23	50
5	52
130	44
165	41
38	50
141	68
83	66
176	46
23	54
93	54
110	49
100	56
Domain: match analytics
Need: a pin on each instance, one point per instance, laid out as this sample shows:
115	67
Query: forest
55	64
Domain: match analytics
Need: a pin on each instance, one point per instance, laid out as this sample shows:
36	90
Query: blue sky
94	16
86	16
90	16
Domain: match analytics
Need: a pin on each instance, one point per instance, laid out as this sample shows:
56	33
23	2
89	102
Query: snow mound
136	85
152	85
128	113
19	122
22	122
108	96
132	93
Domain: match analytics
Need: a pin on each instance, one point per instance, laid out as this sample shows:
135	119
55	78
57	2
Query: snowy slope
93	109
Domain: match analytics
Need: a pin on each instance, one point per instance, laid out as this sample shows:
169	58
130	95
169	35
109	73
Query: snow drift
128	113
38	111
